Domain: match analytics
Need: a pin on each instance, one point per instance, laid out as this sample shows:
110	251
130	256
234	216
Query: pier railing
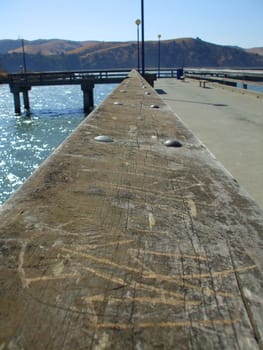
239	74
100	76
117	75
231	77
68	77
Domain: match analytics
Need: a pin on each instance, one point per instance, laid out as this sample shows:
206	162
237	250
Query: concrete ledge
131	244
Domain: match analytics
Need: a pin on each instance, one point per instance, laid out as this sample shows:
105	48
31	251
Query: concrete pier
228	121
131	244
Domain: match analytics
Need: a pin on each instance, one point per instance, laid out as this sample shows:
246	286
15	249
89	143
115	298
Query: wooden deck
131	244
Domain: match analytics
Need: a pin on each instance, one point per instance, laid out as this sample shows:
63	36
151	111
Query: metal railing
117	75
238	74
67	77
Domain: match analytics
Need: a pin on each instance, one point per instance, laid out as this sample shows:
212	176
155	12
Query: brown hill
43	55
50	47
93	47
257	50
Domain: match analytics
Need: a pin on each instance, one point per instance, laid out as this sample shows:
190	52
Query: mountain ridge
60	54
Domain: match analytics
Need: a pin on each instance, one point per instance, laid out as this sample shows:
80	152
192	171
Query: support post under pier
88	99
17	102
26	99
16	89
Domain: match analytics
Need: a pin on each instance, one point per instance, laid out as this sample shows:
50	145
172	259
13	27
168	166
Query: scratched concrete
131	244
228	122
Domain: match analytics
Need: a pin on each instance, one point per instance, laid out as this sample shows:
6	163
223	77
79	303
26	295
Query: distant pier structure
21	83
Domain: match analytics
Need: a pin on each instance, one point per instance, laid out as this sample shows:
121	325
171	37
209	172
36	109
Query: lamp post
138	22
159	54
24	57
142	21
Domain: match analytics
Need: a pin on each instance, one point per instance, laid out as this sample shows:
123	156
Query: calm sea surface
25	141
257	88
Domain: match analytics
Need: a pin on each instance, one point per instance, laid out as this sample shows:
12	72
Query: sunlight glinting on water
26	141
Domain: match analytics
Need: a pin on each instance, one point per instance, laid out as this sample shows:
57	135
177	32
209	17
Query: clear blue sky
227	22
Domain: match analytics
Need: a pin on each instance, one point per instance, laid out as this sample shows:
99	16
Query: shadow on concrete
219	104
161	92
197	102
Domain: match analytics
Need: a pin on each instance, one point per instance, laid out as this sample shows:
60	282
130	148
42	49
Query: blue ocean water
27	140
257	88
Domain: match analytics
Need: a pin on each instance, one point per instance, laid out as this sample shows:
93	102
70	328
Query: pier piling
16	89
17	104
26	99
88	98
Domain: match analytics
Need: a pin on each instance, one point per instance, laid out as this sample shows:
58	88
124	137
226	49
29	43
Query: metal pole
142	20
159	55
138	22
24	57
138	49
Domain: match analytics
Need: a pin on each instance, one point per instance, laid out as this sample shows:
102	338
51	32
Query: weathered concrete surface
130	244
228	122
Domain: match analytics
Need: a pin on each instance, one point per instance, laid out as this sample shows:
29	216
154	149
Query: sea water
27	140
256	88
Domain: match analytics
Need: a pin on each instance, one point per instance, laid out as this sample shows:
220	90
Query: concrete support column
17	102
88	98
26	99
16	89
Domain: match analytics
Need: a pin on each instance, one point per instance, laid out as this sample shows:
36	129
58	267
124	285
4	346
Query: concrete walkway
229	123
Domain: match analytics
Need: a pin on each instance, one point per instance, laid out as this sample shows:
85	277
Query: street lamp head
138	22
159	36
